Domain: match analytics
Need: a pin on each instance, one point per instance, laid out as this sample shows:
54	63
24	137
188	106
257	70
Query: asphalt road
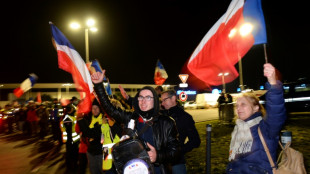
20	154
200	115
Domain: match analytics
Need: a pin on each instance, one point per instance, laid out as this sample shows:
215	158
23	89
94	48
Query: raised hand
123	92
270	73
97	77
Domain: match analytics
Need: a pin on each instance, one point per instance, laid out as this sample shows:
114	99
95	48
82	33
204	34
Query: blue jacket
256	161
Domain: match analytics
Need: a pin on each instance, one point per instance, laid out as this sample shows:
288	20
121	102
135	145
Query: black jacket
188	134
165	134
93	134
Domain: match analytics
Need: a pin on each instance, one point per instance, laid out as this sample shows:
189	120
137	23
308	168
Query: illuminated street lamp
223	80
89	26
244	30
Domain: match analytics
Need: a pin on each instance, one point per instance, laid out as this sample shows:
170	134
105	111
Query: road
200	115
20	154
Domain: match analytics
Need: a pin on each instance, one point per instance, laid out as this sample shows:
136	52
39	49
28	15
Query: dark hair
159	88
170	92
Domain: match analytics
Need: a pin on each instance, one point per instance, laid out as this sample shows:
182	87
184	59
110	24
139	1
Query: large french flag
70	60
230	38
160	74
25	85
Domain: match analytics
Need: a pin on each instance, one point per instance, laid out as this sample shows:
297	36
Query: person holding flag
247	154
161	136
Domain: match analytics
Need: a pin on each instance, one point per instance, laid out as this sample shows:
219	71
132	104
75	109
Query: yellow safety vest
95	120
75	136
108	142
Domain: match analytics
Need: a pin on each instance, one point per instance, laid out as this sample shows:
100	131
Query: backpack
290	161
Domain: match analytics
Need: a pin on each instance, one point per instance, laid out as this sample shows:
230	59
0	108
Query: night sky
132	35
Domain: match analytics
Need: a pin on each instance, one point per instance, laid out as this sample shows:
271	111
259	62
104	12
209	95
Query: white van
206	100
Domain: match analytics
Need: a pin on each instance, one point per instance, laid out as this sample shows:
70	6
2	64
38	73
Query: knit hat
95	102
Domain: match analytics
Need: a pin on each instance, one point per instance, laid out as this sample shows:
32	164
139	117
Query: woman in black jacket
161	136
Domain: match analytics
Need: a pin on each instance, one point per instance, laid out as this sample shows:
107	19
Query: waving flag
70	60
107	86
230	38
160	75
26	85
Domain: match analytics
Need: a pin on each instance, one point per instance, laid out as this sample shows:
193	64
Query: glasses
163	100
147	98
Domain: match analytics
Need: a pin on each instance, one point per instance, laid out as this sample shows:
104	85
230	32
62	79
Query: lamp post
244	30
223	80
89	26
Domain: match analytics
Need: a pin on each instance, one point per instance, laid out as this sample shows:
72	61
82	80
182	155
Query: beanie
95	102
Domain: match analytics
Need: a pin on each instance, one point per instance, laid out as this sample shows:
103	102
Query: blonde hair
254	100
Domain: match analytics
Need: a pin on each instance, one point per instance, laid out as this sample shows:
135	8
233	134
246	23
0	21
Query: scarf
95	120
241	137
147	114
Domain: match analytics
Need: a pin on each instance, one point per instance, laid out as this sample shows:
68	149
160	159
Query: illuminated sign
183	96
183	78
188	92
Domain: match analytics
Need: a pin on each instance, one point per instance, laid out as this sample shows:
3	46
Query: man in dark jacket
91	128
161	136
188	134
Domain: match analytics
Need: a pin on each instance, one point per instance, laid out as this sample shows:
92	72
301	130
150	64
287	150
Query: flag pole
265	52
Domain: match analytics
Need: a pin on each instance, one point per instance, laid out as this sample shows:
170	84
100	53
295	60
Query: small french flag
25	85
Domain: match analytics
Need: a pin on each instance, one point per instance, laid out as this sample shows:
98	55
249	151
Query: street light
223	80
244	30
89	26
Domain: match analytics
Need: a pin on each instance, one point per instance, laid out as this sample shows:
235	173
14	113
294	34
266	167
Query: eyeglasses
163	100
147	98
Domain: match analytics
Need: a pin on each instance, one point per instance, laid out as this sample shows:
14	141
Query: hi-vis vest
75	136
108	142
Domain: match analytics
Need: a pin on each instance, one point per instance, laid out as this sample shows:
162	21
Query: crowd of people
31	118
156	118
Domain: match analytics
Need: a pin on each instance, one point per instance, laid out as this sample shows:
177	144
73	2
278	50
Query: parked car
190	105
296	95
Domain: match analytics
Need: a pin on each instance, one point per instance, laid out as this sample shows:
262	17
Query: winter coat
256	161
164	131
188	134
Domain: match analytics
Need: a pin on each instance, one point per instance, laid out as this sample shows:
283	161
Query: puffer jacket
256	161
165	134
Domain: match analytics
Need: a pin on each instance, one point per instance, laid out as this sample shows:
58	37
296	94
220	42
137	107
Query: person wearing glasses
161	136
188	134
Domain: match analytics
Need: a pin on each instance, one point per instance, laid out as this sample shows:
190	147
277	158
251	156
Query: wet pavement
20	154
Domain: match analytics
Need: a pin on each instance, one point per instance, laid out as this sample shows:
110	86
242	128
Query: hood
151	113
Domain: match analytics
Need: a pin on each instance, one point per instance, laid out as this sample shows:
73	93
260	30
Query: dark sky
133	34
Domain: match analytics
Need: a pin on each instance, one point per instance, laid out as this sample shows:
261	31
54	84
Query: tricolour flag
26	85
107	86
160	74
230	38
70	60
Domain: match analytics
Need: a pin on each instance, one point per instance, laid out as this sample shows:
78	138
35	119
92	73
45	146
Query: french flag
26	85
70	60
230	38
160	74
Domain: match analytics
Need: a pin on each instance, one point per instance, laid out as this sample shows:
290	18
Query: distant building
60	91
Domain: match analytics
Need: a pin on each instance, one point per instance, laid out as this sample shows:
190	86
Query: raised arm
270	73
119	115
275	105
